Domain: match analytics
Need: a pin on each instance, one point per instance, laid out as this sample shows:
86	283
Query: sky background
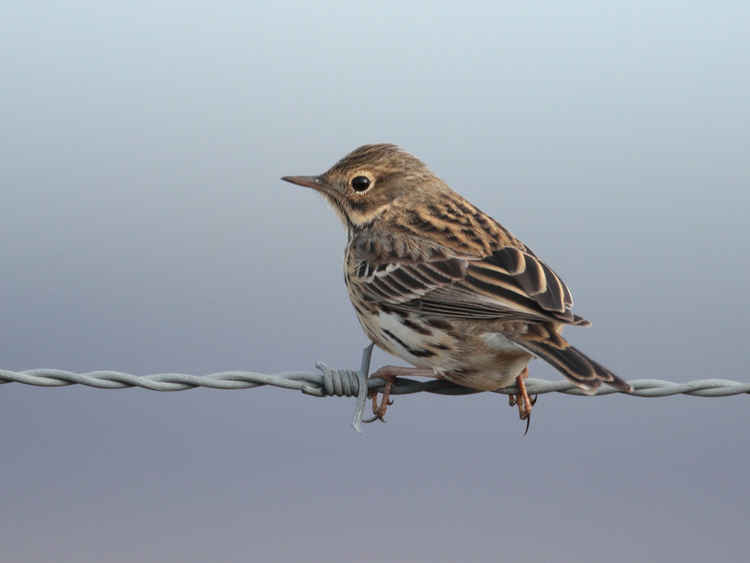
145	229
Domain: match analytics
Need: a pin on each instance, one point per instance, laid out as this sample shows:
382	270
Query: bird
440	284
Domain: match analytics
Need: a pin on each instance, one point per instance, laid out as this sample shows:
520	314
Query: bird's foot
387	373
523	400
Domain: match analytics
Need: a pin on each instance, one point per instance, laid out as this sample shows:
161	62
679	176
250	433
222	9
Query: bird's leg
379	410
389	374
522	399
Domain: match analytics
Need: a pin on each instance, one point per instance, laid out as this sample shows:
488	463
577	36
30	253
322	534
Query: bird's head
367	181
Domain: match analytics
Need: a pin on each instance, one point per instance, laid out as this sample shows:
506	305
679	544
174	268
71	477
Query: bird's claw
379	410
523	400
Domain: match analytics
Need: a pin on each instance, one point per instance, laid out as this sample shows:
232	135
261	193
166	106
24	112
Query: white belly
500	343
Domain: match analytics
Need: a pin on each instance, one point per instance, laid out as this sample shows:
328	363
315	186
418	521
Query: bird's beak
314	182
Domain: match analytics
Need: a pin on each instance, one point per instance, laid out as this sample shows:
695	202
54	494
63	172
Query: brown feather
574	364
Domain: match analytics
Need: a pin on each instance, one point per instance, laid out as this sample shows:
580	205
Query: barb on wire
348	383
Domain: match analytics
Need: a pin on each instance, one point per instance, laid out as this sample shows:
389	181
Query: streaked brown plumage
440	284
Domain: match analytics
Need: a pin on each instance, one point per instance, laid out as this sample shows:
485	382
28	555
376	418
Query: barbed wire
343	383
348	383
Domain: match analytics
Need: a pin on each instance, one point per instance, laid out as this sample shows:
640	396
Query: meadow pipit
440	284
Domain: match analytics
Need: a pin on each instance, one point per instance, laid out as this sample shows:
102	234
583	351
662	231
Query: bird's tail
572	363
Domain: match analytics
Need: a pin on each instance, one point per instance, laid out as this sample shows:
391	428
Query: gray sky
145	229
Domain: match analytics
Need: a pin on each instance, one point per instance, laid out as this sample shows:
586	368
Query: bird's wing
418	275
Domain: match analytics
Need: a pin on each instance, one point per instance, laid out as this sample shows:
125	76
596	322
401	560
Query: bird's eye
360	183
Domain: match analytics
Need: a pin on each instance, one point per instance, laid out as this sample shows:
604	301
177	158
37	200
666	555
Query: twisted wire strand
346	383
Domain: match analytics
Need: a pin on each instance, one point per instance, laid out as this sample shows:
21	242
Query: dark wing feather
514	274
509	284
